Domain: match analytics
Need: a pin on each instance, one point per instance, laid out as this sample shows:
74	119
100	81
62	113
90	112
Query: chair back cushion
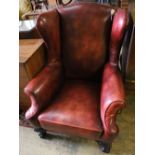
85	32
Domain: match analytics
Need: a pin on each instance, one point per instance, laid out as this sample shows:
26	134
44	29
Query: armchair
80	91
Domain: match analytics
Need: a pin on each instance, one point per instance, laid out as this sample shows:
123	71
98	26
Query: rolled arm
112	100
41	88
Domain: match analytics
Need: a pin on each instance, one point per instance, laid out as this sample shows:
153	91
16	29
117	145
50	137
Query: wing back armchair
80	91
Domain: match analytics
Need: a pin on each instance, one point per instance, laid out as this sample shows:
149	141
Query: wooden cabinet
31	60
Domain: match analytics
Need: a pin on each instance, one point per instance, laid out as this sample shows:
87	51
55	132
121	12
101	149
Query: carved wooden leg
105	147
41	131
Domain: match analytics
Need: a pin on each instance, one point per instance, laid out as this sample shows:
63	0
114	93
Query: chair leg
105	147
41	131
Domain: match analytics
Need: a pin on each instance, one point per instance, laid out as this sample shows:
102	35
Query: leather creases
110	126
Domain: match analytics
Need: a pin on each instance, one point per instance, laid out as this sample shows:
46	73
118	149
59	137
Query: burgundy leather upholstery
112	100
118	29
42	88
75	108
84	34
48	25
112	94
80	41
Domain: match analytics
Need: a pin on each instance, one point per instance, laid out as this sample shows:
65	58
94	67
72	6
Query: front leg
105	147
41	131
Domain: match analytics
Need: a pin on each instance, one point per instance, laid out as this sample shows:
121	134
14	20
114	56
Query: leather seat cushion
74	111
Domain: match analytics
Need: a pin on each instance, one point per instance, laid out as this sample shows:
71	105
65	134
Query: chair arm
41	88
112	100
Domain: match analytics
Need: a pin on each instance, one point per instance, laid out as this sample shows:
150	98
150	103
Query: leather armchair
80	90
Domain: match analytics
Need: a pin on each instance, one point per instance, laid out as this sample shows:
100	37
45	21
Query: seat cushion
74	111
